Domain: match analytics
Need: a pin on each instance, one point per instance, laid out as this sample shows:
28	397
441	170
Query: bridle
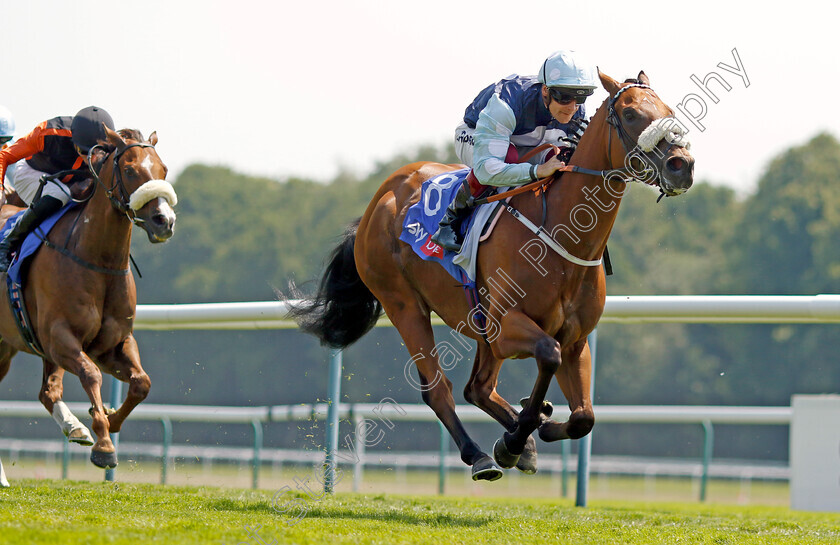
117	193
615	121
630	146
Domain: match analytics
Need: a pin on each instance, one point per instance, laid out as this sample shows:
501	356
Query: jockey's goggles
565	95
4	139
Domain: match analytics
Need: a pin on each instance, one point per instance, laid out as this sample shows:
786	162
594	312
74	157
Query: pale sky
305	88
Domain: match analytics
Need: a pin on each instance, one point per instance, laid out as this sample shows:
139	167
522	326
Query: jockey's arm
493	131
27	146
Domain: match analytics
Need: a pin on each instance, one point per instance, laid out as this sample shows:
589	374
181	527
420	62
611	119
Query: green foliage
788	235
238	237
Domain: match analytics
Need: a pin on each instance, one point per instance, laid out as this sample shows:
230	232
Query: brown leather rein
541	183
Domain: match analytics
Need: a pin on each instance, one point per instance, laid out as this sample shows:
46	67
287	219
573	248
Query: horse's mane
133	134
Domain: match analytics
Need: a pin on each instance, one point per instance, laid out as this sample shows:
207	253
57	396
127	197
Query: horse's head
139	188
655	149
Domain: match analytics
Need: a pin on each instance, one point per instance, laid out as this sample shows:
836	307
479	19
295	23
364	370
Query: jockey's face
561	112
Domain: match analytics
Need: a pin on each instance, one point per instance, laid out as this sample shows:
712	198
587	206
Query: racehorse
541	295
79	293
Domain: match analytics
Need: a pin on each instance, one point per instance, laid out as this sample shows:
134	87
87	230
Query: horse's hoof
547	407
503	456
105	460
486	470
528	459
81	436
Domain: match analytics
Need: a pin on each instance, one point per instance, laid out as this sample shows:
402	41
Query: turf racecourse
71	512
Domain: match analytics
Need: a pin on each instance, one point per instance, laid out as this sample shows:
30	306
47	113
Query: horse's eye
629	115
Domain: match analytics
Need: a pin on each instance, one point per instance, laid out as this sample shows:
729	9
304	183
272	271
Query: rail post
708	448
360	429
167	440
585	445
258	442
65	459
332	421
116	400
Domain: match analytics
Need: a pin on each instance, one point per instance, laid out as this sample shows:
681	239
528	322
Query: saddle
423	217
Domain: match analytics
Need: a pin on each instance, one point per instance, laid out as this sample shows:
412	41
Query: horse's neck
103	235
583	207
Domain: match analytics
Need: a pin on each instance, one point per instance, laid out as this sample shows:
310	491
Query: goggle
4	139
564	95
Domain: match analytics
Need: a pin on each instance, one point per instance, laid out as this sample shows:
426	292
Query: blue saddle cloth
31	243
422	219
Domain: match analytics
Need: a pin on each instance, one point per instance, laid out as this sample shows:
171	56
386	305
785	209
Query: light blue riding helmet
7	123
570	70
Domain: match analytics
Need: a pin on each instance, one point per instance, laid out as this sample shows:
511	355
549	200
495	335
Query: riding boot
39	211
460	208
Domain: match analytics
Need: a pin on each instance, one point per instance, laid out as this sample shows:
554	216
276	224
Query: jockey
507	119
60	143
7	133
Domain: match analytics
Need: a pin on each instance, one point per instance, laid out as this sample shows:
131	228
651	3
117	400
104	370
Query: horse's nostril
160	219
675	164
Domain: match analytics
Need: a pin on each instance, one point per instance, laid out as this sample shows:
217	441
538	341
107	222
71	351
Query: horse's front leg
575	378
124	363
481	392
52	388
520	336
65	350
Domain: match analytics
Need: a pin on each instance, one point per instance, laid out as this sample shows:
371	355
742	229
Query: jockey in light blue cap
7	134
509	118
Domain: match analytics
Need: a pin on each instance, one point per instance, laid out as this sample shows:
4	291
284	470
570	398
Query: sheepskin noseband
666	127
152	190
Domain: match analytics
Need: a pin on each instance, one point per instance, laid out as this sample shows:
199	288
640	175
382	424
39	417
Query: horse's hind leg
52	388
481	392
416	330
574	377
124	363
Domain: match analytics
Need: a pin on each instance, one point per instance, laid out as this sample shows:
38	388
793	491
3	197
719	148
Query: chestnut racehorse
80	294
541	297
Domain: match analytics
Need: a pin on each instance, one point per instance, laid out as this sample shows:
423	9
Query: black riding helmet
87	127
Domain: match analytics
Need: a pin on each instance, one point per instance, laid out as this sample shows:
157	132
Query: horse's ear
153	139
643	79
609	84
115	139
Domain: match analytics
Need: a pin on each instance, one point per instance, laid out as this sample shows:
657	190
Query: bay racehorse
541	295
79	293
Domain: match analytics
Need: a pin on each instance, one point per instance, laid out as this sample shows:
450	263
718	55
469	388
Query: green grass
420	482
36	512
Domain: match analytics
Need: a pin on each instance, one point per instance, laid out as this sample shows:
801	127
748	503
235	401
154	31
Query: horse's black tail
343	309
